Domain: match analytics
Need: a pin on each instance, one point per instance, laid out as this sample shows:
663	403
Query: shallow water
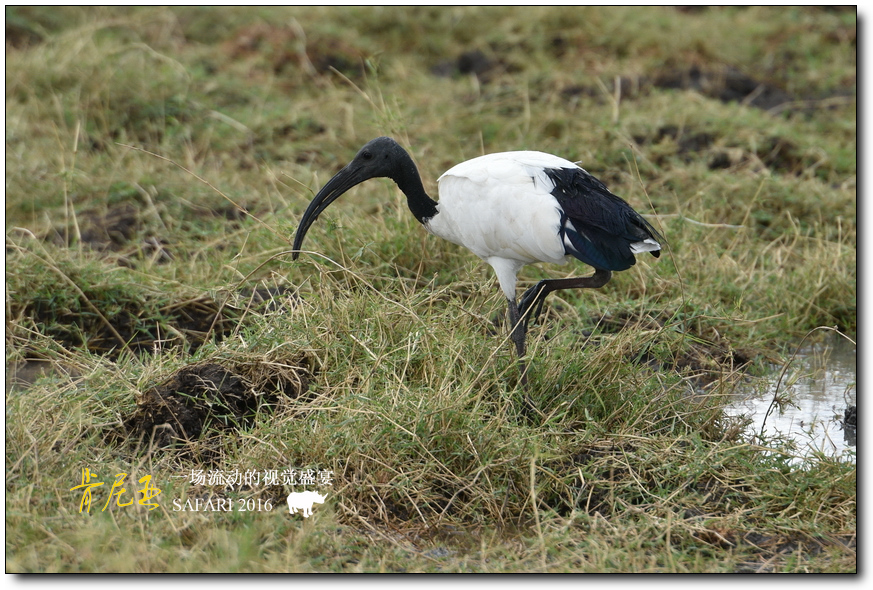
820	382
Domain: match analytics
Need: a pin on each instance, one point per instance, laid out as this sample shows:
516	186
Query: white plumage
500	207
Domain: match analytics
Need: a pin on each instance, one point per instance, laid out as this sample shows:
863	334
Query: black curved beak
330	192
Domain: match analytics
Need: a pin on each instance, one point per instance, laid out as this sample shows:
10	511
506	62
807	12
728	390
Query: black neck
407	179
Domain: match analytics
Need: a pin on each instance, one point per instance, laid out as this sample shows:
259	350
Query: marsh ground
158	160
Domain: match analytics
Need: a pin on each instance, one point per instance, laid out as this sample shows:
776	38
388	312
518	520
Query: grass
158	160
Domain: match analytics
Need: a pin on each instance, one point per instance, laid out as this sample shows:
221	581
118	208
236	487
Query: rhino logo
304	501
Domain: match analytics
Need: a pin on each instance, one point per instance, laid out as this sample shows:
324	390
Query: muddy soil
704	358
194	406
195	398
120	234
471	63
137	326
288	50
777	154
126	232
717	81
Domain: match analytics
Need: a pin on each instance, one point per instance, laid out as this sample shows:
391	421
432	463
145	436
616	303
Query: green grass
158	161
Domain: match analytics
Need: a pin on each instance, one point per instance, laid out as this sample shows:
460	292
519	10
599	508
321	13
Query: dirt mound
206	399
188	402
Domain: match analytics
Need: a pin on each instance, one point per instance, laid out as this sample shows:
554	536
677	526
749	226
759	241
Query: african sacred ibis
509	209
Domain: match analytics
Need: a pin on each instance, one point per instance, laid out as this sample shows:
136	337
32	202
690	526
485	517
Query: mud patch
687	141
702	360
107	230
721	82
135	326
286	50
706	360
192	400
771	548
197	404
130	231
724	83
20	33
473	62
270	299
83	303
776	154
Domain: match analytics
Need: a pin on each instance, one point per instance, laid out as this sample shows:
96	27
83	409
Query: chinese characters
268	477
118	490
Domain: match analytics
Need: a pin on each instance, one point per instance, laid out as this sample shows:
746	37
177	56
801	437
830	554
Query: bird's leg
533	297
537	294
519	315
517	334
518	327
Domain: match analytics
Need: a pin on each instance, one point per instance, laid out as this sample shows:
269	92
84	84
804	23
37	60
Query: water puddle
820	384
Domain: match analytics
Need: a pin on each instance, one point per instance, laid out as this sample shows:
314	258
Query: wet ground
818	399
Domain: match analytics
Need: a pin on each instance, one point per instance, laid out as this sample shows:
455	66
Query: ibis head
380	158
